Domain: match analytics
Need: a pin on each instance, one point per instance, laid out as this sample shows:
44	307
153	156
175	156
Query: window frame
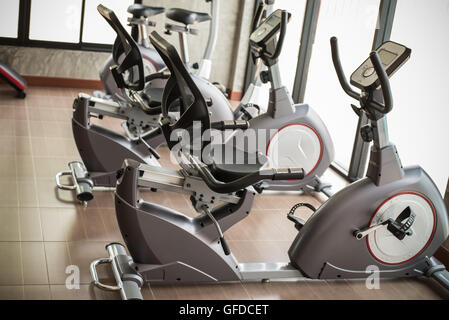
23	39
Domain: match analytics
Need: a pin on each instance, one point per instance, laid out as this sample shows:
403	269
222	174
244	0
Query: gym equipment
251	104
103	150
152	62
393	220
14	79
295	136
153	65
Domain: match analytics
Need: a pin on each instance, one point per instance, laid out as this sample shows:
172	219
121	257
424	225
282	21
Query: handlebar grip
384	84
339	70
282	32
288	174
258	16
225	246
233	125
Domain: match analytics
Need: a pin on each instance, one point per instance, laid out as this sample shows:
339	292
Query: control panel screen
273	20
386	57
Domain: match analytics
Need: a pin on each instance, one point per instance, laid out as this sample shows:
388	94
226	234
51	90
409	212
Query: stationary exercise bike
394	219
252	104
293	134
152	63
103	150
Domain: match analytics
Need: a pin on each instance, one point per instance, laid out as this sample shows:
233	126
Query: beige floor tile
30	224
25	167
11	264
23	146
62	224
57	257
9	224
11	292
85	292
7	146
8	196
8	167
37	292
7	128
34	264
26	189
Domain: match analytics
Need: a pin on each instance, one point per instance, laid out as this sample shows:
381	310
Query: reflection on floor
42	230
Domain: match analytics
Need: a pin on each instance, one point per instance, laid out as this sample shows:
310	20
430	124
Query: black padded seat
228	163
156	96
140	10
186	16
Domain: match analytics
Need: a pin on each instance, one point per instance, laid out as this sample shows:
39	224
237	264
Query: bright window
96	29
9	19
353	22
55	20
289	55
419	121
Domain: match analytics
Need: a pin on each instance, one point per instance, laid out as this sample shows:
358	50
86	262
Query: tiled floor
43	231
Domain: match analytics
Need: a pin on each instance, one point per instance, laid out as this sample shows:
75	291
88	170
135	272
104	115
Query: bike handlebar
280	41
384	85
339	70
380	72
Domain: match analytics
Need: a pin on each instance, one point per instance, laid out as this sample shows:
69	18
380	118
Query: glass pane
55	20
289	56
9	19
353	22
418	122
96	29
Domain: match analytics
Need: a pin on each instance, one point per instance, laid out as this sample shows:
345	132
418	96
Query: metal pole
307	39
250	65
213	31
360	151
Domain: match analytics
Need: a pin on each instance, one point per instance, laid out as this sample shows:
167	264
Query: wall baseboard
235	95
89	84
442	254
63	82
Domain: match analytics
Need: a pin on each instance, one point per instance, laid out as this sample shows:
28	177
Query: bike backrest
126	53
193	106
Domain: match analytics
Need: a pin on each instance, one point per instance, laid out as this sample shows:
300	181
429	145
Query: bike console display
266	31
393	55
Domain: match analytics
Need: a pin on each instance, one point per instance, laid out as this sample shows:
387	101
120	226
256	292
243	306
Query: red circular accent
155	68
305	125
428	241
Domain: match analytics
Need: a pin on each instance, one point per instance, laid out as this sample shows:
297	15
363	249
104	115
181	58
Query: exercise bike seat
155	95
140	10
186	16
228	163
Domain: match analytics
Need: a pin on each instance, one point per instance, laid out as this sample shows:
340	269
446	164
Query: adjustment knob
195	66
264	76
367	133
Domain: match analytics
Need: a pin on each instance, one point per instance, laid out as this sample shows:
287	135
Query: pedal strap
400	228
299	222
